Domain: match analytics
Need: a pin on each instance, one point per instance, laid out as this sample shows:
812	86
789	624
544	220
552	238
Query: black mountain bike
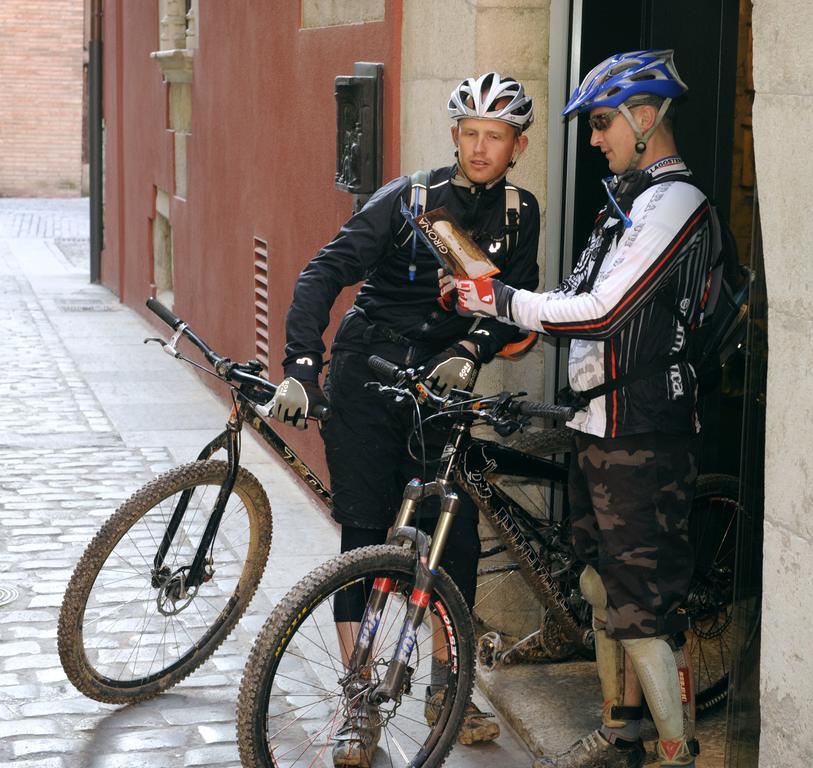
170	573
299	686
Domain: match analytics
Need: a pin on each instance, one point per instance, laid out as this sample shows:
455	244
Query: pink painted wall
261	159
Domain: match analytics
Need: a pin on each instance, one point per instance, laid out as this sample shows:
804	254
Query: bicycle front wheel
296	694
127	630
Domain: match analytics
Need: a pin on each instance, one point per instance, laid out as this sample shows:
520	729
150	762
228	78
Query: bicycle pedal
489	650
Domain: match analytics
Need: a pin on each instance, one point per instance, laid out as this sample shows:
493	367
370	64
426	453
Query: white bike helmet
478	97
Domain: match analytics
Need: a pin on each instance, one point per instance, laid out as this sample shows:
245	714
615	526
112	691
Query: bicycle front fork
196	573
426	564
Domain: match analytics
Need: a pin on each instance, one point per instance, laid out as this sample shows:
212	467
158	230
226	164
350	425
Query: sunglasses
602	122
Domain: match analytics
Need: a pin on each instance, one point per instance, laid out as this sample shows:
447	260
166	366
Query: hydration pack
722	325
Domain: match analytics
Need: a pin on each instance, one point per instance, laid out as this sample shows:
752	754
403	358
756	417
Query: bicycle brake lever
169	346
506	428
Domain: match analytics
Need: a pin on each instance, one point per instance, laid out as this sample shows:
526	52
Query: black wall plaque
359	130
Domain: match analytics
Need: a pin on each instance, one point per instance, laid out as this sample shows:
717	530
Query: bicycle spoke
139	624
304	647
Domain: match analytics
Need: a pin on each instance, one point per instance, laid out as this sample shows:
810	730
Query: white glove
295	400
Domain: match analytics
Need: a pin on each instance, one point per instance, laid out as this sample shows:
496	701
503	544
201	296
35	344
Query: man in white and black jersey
397	315
637	290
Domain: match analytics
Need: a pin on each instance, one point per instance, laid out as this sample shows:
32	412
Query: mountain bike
300	686
169	574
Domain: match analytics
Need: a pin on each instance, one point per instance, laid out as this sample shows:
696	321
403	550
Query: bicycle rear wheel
295	692
715	632
127	632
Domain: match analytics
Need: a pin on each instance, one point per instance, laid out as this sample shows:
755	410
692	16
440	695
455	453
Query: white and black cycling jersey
616	324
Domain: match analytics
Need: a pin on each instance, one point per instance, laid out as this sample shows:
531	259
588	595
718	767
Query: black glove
295	400
454	368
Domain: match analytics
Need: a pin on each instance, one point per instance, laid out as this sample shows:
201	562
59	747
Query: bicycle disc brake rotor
174	595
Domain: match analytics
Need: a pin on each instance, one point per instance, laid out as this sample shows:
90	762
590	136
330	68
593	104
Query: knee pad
592	588
657	672
609	652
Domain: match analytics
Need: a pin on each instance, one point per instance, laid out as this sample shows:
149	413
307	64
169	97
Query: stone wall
783	110
41	60
441	44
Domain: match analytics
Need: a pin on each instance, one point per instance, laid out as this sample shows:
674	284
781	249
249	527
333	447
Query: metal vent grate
8	594
261	300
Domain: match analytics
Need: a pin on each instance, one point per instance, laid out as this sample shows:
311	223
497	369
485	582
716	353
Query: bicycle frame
243	411
477	457
483	459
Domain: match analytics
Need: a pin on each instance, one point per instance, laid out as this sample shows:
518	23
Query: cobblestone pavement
87	415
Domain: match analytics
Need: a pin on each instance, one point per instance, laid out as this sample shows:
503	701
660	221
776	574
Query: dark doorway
711	40
705	37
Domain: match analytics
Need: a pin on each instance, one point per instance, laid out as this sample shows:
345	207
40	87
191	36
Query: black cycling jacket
366	249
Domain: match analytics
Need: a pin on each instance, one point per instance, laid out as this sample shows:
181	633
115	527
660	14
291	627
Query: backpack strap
512	208
419	193
659	364
644	371
419	184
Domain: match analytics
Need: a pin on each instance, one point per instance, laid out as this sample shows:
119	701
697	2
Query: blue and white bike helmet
626	79
625	75
480	97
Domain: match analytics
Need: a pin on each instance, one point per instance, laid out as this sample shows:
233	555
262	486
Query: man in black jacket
397	316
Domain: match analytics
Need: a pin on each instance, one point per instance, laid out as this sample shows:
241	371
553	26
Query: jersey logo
304	361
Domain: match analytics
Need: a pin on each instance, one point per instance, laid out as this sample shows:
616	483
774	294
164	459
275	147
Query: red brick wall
41	57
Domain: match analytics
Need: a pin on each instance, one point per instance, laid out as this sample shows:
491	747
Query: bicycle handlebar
535	408
384	367
512	407
165	314
223	366
178	325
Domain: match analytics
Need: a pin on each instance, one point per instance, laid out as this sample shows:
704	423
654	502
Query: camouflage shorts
629	503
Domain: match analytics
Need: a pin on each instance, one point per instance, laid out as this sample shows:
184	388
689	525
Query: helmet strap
459	179
642	138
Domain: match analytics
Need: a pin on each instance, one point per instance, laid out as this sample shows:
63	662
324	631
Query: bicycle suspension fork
426	568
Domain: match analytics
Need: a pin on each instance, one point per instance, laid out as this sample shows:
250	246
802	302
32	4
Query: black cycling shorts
366	449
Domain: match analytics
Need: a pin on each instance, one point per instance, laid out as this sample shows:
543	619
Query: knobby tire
291	699
122	638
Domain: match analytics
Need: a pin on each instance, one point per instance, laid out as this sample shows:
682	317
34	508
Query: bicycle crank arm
491	651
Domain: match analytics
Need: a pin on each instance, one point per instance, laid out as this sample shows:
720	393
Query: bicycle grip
532	408
321	413
384	367
166	315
